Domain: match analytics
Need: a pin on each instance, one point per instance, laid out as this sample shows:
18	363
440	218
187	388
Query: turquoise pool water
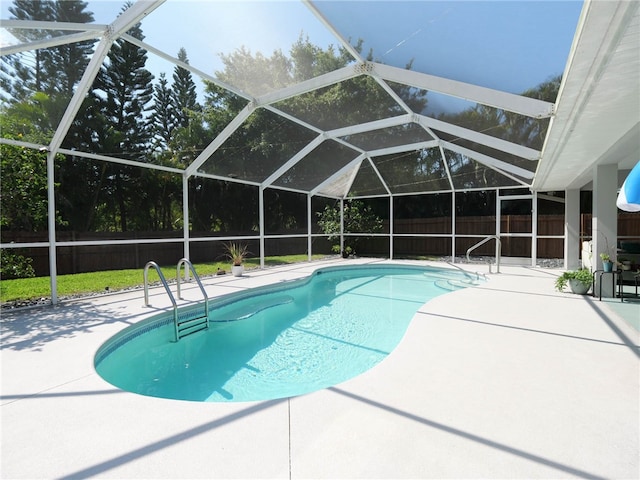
275	342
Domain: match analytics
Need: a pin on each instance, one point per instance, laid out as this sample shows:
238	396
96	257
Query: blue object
629	196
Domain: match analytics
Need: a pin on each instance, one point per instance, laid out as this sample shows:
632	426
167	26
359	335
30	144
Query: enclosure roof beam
432	123
445	162
288	189
387	88
51	25
124	22
121	161
369	126
484	139
345	43
84	31
530	107
133	15
83	87
20	143
321	81
379	175
226	179
404	148
186	66
489	161
293	119
293	160
231	127
51	42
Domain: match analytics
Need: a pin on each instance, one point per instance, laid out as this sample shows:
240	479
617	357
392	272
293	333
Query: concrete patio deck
509	379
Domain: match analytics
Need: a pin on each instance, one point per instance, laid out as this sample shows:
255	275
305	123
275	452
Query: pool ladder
188	323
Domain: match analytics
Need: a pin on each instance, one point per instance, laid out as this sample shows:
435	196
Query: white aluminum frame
107	34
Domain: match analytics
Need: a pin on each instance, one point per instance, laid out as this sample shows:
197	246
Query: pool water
278	342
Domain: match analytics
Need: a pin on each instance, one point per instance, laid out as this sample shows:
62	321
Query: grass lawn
92	282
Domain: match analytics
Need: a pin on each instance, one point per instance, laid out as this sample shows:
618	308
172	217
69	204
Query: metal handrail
166	287
186	263
498	249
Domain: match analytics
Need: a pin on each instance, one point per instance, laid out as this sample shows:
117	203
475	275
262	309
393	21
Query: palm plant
236	253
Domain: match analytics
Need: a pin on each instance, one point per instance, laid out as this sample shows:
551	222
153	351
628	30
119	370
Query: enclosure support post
498	226
309	253
341	225
185	220
51	220
391	227
453	226
572	230
534	229
261	223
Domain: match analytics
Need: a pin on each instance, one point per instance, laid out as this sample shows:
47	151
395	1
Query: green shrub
358	218
13	265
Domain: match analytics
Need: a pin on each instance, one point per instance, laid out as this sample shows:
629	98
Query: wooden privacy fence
89	258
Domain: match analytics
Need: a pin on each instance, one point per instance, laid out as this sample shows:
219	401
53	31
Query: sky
216	28
506	45
207	28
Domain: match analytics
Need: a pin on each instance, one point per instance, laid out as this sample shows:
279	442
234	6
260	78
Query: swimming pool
277	341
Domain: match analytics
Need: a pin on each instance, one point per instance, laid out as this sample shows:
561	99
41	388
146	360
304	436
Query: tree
358	218
24	181
256	74
41	84
512	127
123	90
162	120
509	126
68	62
25	74
309	61
266	141
184	93
531	131
55	70
24	170
127	88
218	205
190	134
24	189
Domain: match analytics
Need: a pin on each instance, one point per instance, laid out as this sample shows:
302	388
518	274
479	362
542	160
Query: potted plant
605	256
579	281
236	253
607	264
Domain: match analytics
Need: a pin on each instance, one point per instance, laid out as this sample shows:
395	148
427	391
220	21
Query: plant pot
579	287
607	266
237	270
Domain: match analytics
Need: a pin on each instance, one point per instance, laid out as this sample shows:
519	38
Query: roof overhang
597	117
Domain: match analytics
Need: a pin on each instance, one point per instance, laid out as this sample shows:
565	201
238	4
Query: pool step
191	322
247	311
453	285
